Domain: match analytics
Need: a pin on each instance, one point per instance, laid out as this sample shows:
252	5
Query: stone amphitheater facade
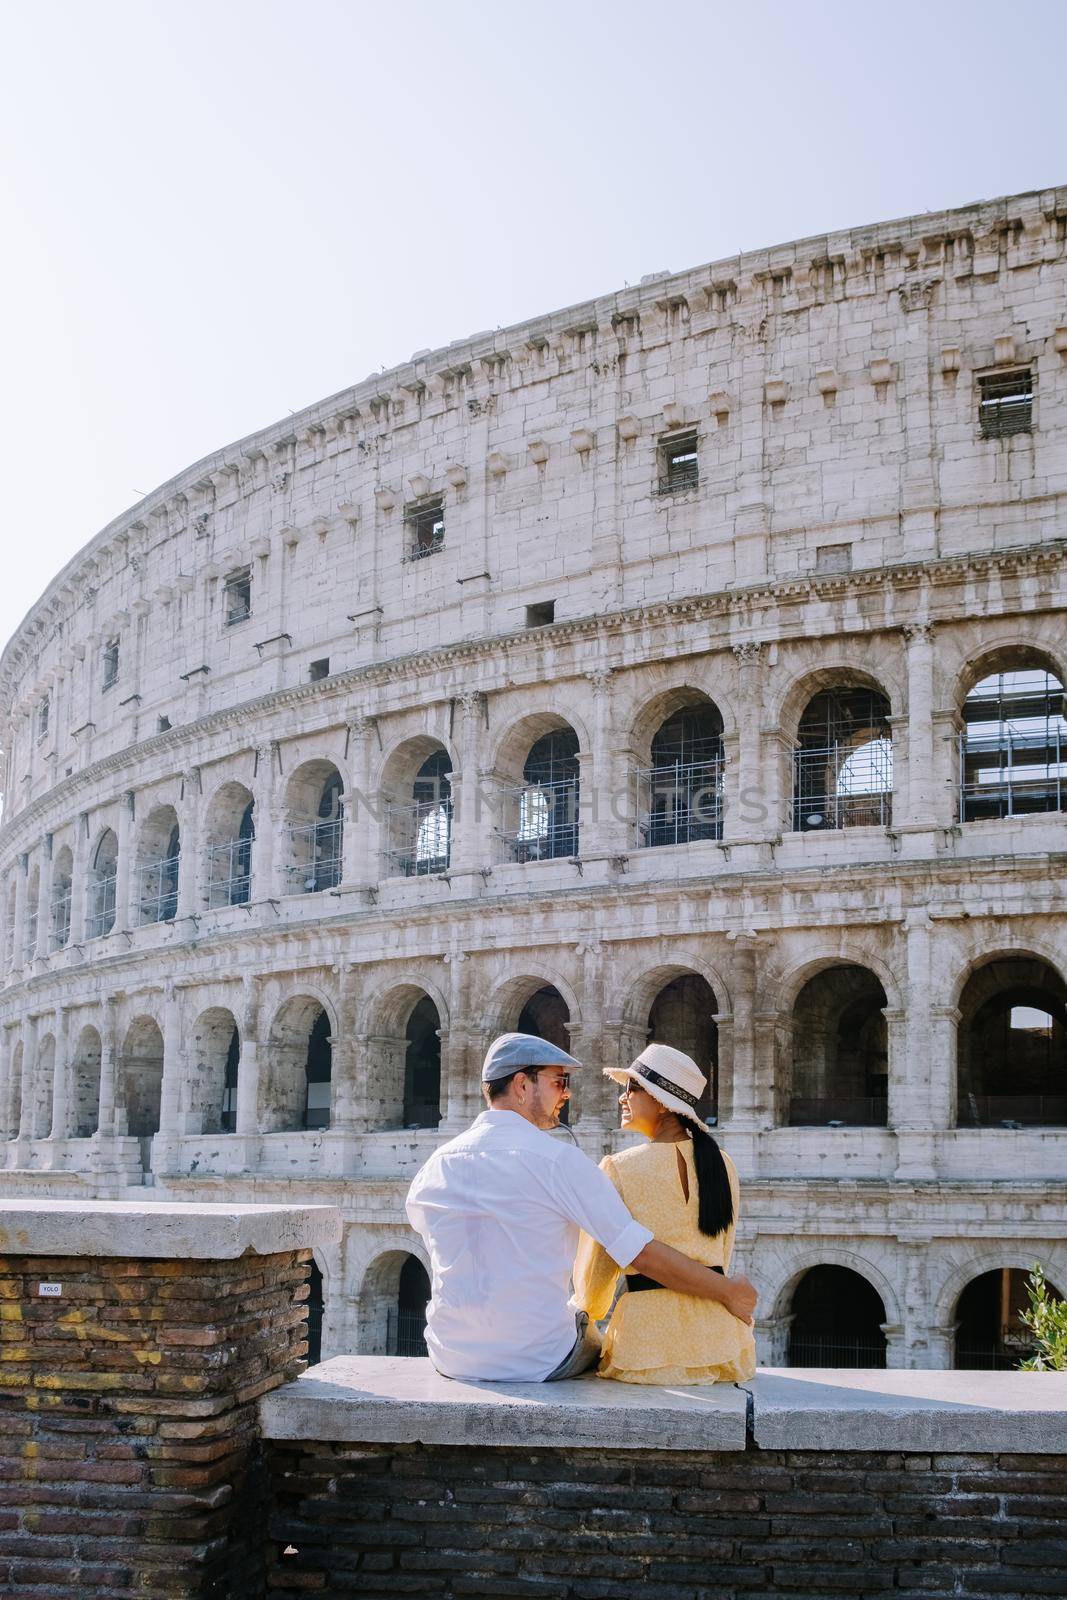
345	750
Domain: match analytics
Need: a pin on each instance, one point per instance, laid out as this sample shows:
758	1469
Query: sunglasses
630	1087
562	1080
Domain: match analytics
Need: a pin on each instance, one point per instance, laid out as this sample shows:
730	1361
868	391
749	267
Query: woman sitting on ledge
682	1187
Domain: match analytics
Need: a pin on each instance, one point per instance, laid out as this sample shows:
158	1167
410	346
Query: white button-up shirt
499	1208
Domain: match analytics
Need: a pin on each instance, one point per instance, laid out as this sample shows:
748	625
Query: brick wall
380	1520
129	1455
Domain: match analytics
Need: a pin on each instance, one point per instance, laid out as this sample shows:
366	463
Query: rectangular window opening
425	527
319	669
237	597
679	468
1005	404
111	663
163	725
540	615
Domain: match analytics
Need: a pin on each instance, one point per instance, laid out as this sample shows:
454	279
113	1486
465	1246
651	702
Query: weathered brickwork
380	1521
129	1455
264	645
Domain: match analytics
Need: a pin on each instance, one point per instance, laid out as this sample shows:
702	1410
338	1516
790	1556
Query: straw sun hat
670	1077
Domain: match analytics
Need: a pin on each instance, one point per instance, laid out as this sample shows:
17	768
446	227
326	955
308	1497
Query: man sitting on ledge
500	1208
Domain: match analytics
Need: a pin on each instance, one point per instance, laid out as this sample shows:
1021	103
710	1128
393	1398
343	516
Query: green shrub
1047	1321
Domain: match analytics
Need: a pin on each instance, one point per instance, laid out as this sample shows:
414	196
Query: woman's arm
678	1272
595	1273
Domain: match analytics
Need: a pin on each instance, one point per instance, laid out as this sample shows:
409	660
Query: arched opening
230	833
314	1322
680	792
413	1296
840	1066
837	1321
1013	748
843	761
44	1074
1012	1046
158	861
141	1082
296	1089
683	1015
990	1332
422	1067
29	927
62	880
216	1055
543	816
547	1016
316	828
86	1084
419	818
103	880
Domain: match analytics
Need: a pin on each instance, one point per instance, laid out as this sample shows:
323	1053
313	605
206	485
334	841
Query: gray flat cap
513	1051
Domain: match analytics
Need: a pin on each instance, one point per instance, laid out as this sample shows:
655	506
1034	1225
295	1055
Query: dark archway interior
840	1051
408	1337
1012	1046
228	1115
422	1067
319	1070
837	1321
314	1322
990	1334
546	1016
683	1015
685	793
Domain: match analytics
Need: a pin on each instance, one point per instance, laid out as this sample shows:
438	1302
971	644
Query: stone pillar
911	1089
125	866
164	1143
742	1093
594	1123
472	823
264	880
917	805
348	1115
747	813
361	863
7	1130
79	880
944	1066
249	1069
108	1070
44	901
175	1440
18	943
61	1077
27	1120
190	868
607	797
461	1051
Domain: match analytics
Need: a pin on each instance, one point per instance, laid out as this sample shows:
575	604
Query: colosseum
683	665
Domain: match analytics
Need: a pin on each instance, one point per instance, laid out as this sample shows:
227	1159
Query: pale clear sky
217	211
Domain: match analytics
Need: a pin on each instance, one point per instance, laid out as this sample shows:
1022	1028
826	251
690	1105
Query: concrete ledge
389	1400
161	1230
392	1400
924	1410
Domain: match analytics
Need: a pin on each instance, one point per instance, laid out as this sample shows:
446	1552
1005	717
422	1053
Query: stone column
190	867
918	804
61	1077
6	1108
361	867
944	1081
607	796
108	1070
911	1089
460	1052
264	881
79	880
18	943
348	1115
44	900
587	1044
124	869
472	845
741	1106
248	1071
164	1143
748	814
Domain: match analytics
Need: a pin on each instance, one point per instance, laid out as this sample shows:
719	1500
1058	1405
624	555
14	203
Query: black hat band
665	1083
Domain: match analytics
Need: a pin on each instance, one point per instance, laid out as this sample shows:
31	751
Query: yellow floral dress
657	1335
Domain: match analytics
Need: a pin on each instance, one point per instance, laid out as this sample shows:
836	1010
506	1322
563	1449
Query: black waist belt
637	1281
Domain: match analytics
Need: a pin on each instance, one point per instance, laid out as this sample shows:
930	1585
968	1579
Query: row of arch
831	1315
833	1066
1013	760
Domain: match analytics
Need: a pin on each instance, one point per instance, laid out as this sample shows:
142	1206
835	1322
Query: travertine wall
850	524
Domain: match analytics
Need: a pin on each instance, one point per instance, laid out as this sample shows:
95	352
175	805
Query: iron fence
316	847
843	786
547	821
1013	1110
61	919
837	1350
680	803
1010	774
420	837
101	911
157	890
230	873
406	1333
850	1111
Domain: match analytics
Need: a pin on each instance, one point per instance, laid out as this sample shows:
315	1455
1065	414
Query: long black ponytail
715	1202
